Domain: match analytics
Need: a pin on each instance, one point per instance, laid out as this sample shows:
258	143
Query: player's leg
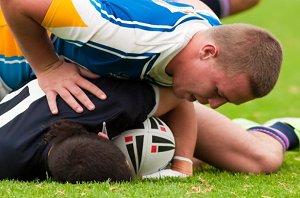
292	122
237	6
220	7
228	146
225	8
286	130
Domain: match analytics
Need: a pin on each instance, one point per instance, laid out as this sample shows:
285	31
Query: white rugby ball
148	147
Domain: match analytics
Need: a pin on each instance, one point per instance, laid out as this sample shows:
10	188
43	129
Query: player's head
77	155
251	50
229	63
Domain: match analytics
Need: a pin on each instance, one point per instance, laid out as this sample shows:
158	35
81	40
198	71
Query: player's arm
55	76
179	115
167	101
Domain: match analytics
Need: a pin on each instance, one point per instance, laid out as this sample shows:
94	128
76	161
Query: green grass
281	18
208	182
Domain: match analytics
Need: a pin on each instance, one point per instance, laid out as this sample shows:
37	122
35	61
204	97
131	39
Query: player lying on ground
216	81
25	119
23	126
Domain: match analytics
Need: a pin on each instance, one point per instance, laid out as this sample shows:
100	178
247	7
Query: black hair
77	155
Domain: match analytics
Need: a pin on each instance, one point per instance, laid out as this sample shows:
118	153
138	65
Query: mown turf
279	17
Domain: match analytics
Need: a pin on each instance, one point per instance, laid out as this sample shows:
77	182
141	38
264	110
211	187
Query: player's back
25	117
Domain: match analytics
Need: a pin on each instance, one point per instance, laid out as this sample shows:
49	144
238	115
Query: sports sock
290	133
220	7
284	133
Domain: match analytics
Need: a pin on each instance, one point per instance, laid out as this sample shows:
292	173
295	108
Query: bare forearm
25	18
182	121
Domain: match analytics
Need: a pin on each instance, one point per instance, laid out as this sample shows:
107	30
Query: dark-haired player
25	119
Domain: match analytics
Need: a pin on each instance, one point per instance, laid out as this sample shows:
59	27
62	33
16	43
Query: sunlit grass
279	17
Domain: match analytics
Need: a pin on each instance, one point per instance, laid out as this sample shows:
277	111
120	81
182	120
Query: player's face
210	85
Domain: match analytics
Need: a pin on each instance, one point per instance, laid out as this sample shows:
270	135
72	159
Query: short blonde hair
251	50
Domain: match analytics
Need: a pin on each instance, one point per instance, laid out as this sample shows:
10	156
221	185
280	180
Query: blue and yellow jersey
14	69
126	39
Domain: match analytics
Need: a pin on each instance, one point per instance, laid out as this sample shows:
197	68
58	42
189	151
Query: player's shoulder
29	92
125	86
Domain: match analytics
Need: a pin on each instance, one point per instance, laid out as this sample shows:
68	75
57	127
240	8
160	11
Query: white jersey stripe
35	92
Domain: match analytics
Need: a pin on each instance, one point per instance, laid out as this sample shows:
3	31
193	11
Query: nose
216	102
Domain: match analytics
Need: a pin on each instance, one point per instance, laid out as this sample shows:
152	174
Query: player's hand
67	80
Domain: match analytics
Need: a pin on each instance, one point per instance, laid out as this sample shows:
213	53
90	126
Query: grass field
280	17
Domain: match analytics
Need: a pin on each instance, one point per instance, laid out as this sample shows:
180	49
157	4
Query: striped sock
289	132
284	133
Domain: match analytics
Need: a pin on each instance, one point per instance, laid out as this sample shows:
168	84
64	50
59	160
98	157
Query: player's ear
208	51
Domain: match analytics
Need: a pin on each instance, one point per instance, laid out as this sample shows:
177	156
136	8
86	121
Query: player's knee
268	162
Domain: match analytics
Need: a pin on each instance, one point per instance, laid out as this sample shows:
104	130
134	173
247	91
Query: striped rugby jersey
128	39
